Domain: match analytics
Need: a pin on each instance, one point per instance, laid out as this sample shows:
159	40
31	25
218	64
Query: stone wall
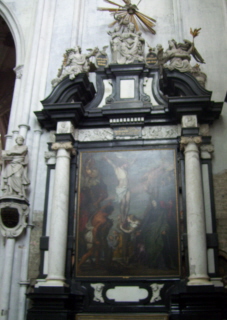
220	194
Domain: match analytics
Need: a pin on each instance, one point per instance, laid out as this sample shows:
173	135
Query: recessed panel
127	89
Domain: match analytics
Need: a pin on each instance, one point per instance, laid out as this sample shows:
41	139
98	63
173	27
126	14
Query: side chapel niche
136	156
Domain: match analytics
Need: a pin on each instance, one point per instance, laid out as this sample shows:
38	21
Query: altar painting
127	216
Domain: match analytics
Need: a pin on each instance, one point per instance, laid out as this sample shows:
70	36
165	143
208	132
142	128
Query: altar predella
128	46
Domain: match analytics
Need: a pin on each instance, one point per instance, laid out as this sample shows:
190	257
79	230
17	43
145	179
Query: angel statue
74	63
179	56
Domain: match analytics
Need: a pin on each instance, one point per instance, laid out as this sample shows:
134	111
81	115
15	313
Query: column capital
184	141
68	146
50	155
206	151
19	71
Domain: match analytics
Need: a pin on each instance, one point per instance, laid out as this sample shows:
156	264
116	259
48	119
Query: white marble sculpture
178	57
127	44
74	63
14	174
98	288
156	288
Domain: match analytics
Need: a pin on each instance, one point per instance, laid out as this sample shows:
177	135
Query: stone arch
16	31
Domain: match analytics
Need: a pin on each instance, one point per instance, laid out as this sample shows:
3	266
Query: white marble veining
195	217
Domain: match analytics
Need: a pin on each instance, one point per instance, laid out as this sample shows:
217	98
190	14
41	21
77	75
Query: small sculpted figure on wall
14	174
74	63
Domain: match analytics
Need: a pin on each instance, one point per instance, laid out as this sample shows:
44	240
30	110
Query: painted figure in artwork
122	190
15	162
96	234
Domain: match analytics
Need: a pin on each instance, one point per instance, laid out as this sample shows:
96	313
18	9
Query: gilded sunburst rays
129	12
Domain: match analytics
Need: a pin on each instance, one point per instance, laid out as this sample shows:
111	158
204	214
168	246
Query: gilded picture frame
127	214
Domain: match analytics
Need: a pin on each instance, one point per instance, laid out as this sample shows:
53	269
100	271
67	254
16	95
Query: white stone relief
189	122
15	178
160	132
126	45
98	288
156	288
95	135
65	127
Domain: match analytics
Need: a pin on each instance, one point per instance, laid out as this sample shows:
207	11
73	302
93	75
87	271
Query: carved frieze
159	132
95	135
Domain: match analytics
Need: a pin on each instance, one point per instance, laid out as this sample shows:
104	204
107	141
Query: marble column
59	216
196	231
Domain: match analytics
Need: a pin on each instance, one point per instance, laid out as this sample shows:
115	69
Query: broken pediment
135	92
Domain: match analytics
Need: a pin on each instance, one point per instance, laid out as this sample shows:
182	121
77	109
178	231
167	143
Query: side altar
129	212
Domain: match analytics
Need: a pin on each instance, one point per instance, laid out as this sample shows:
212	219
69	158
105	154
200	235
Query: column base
51	283
199	281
